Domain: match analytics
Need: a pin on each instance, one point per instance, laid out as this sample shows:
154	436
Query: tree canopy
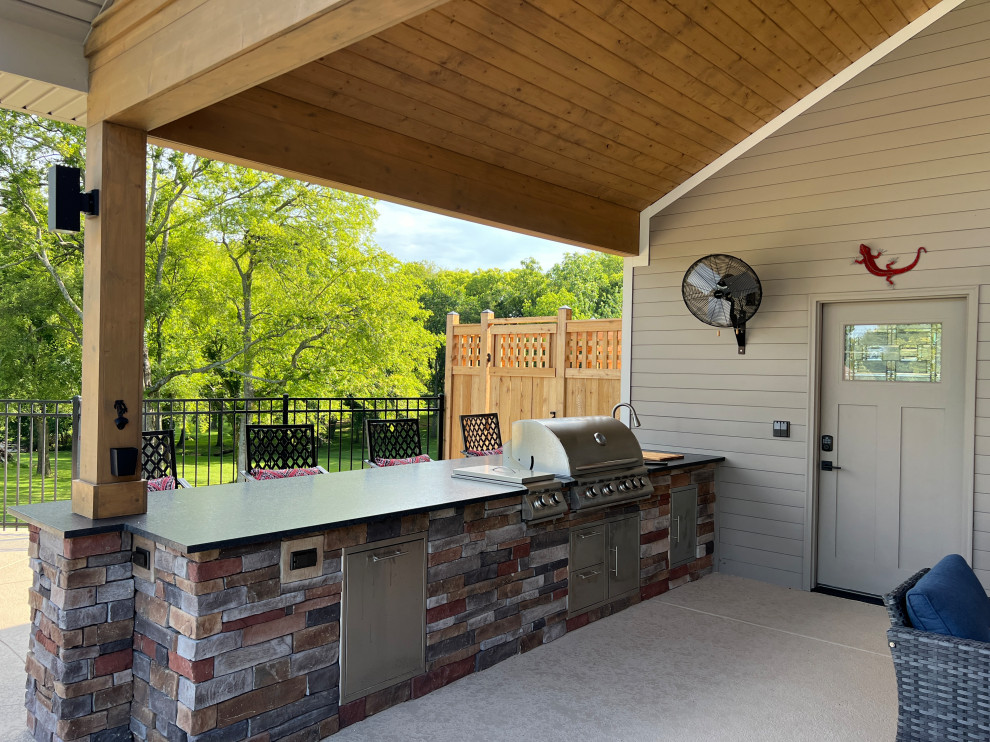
255	284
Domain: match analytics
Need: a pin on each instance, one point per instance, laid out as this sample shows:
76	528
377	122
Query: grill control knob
629	484
608	489
623	486
642	482
554	498
591	492
537	503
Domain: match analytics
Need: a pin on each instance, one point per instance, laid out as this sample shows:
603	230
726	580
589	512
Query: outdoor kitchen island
217	615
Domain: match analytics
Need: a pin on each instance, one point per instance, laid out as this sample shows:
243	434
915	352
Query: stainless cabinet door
384	616
622	556
683	524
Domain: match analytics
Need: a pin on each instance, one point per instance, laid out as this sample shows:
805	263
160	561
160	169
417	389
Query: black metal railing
40	436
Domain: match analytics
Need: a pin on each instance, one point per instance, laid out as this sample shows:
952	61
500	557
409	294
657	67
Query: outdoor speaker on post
65	200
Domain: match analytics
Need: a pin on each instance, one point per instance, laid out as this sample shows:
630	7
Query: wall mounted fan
723	291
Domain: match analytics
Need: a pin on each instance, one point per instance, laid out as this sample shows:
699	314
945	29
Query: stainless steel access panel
683	524
604	563
383	619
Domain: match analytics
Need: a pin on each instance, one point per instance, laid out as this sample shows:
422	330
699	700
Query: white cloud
411	234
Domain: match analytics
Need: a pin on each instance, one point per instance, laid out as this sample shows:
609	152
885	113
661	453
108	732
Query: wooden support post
558	400
113	321
453	318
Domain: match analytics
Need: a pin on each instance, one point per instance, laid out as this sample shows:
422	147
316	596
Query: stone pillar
113	321
79	684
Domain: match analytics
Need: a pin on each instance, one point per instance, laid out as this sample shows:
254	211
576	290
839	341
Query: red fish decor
870	261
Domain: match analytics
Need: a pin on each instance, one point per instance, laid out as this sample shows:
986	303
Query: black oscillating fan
723	291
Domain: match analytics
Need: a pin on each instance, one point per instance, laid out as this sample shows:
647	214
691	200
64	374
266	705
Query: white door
892	383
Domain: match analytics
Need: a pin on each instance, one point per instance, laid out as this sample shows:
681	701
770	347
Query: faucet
633	417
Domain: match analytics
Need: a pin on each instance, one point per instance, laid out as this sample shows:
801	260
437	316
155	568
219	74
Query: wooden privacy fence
530	367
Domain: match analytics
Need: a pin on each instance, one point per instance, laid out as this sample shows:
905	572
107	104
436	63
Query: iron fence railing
38	438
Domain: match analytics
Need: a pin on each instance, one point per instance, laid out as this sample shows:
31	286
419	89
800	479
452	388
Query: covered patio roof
560	118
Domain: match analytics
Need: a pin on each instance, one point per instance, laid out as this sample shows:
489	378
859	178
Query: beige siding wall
897	158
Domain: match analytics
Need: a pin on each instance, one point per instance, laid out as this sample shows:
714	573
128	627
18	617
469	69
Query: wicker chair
393	440
158	459
280	448
481	434
943	691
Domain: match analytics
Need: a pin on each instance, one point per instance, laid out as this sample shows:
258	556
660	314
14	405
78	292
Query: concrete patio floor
720	659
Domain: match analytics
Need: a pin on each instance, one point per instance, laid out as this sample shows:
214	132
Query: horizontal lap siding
898	158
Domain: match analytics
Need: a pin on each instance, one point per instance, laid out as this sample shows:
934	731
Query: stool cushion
950	600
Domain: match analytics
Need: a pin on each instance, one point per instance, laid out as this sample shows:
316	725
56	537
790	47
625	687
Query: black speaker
65	200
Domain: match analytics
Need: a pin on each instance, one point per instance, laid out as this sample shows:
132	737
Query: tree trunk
44	466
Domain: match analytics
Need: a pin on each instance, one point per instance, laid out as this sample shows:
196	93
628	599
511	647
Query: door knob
828	466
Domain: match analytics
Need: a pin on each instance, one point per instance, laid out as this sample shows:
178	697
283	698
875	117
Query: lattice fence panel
594	349
523	350
467	351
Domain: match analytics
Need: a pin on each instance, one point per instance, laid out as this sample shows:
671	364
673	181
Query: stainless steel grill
600	454
576	463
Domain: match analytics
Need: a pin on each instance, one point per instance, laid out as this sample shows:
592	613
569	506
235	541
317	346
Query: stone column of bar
79	683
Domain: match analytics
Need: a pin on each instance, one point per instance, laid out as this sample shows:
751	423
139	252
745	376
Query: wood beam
265	130
113	322
162	59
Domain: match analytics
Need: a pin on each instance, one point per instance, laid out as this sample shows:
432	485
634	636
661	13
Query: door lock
827	466
827	442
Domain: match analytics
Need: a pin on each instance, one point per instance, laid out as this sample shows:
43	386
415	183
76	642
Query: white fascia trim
874	55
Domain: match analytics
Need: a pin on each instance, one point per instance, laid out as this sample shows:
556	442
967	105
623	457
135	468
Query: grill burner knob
629	484
538	503
642	482
608	489
623	486
554	498
591	492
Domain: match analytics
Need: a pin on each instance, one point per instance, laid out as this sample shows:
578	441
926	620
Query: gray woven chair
943	683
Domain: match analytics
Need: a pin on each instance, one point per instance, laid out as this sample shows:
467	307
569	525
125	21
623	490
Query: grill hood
574	446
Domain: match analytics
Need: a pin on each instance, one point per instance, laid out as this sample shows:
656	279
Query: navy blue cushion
950	600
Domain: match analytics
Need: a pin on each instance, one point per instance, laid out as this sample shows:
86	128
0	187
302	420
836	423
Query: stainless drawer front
586	587
587	546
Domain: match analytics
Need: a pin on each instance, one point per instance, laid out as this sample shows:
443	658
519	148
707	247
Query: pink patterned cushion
161	484
283	473
399	462
492	452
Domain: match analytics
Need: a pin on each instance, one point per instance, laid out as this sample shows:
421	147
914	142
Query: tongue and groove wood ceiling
564	118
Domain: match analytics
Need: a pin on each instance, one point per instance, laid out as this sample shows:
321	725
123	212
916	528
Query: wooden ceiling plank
860	20
680	54
745	44
493	122
540	37
489	125
342	128
223	46
767	29
469	76
518	77
652	74
887	14
358	101
243	129
657	158
911	9
823	16
708	46
795	23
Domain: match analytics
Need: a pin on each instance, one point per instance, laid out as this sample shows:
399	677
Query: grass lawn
200	461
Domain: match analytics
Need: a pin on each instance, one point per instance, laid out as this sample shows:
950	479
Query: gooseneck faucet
633	417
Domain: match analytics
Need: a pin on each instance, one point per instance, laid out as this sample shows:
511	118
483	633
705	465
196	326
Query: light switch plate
781	429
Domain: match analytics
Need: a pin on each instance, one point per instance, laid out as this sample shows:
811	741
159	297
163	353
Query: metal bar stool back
158	460
394	441
481	433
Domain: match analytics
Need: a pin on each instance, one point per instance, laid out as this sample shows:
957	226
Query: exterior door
892	388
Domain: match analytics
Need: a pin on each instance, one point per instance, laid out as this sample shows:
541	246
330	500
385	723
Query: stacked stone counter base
213	646
79	683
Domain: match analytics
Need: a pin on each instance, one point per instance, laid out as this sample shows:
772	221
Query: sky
411	234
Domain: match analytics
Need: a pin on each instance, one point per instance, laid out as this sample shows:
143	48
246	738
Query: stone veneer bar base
217	649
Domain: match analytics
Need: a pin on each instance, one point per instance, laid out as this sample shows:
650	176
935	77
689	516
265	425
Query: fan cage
722	291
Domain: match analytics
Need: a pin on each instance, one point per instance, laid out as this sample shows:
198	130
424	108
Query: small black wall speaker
65	201
123	461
